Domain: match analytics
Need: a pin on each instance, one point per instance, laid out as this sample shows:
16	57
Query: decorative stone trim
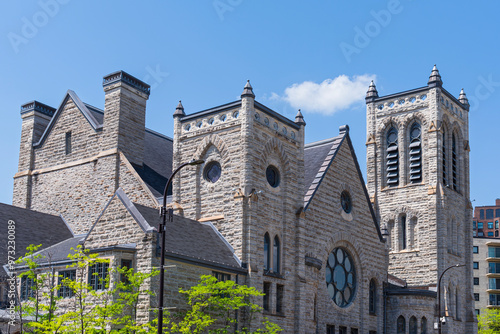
128	79
38	106
313	262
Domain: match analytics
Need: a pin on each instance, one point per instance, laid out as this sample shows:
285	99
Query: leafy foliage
212	306
489	321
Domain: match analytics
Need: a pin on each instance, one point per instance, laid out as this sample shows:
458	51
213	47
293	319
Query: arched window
267	258
423	325
392	158
454	162
372	300
415	154
457	305
413	325
276	255
445	171
403	234
401	324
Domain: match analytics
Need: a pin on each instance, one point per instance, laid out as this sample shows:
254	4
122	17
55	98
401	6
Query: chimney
36	116
125	115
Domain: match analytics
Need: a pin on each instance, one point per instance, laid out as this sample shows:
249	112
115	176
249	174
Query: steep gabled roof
89	116
194	242
318	158
31	227
186	240
158	148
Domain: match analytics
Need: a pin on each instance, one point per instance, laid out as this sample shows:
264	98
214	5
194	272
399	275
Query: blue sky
204	51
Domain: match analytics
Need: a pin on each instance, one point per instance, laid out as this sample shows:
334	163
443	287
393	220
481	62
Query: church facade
297	221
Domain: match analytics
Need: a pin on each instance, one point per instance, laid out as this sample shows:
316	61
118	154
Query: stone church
332	253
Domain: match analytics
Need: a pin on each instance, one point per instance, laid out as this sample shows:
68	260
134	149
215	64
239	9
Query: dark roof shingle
31	227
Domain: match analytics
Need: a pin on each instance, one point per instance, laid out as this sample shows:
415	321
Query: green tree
489	321
212	307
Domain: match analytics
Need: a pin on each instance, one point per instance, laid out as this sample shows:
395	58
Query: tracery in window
415	154
392	163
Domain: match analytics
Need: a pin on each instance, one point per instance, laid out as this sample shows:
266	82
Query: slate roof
158	153
158	148
157	165
318	157
188	239
314	159
32	227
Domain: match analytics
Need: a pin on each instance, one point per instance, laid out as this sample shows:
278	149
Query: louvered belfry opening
392	158
445	177
415	154
454	166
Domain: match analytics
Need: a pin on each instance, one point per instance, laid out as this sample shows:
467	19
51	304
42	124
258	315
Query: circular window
199	124
380	106
273	176
257	116
212	171
266	120
222	118
423	97
284	130
187	127
345	201
275	126
340	277
236	114
211	121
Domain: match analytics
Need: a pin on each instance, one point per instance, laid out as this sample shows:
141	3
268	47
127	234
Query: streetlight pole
439	293
162	230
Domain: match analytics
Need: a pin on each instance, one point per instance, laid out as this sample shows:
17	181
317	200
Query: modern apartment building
486	256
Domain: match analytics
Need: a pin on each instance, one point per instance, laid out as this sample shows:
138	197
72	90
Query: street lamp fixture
162	229
439	293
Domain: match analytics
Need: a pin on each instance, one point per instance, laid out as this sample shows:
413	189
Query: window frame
372	297
65	291
98	282
392	158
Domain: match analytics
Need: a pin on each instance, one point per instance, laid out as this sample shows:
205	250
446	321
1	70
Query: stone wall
328	227
437	214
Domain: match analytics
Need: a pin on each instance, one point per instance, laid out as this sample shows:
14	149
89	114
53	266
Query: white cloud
329	96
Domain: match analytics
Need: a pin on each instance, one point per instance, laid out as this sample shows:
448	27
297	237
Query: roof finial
248	90
179	111
435	78
372	93
299	119
463	98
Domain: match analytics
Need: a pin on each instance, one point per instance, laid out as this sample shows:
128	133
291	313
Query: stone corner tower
418	180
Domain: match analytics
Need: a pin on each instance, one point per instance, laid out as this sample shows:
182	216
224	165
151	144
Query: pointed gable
319	159
82	107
